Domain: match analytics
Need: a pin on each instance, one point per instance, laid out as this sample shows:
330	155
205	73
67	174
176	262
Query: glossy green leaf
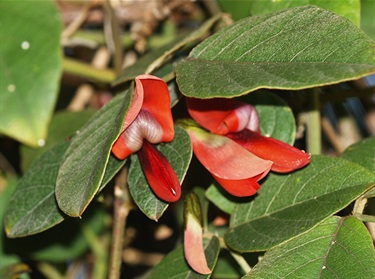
85	161
174	264
153	60
288	205
32	207
63	125
30	56
367	17
293	49
179	153
276	118
336	248
346	8
362	153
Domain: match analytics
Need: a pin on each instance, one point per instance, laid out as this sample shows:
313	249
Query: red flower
236	154
149	121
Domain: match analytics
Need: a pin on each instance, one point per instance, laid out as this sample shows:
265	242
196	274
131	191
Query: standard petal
157	102
239	188
222	116
285	157
224	158
159	173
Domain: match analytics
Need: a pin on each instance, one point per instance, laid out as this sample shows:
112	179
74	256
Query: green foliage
85	160
298	221
289	205
63	125
271	51
30	69
35	195
337	248
362	153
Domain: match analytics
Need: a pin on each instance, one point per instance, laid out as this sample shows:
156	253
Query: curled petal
131	140
222	116
224	158
149	117
239	188
157	102
159	173
285	157
193	235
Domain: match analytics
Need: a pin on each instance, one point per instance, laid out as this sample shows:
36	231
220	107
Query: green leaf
238	9
226	267
85	161
219	197
5	194
61	243
367	17
153	60
288	205
36	193
30	56
293	49
64	124
174	264
337	248
346	8
32	207
362	153
113	167
276	118
179	153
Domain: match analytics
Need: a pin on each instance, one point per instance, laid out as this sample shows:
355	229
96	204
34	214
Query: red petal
224	158
152	95
193	246
120	148
159	173
285	157
222	116
239	188
157	102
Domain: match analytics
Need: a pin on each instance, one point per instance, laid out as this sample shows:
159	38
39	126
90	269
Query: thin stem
241	261
98	248
359	205
113	36
85	70
49	271
314	136
121	210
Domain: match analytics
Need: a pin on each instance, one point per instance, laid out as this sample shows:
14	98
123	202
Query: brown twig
122	206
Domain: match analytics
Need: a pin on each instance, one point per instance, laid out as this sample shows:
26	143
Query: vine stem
85	70
122	207
240	261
